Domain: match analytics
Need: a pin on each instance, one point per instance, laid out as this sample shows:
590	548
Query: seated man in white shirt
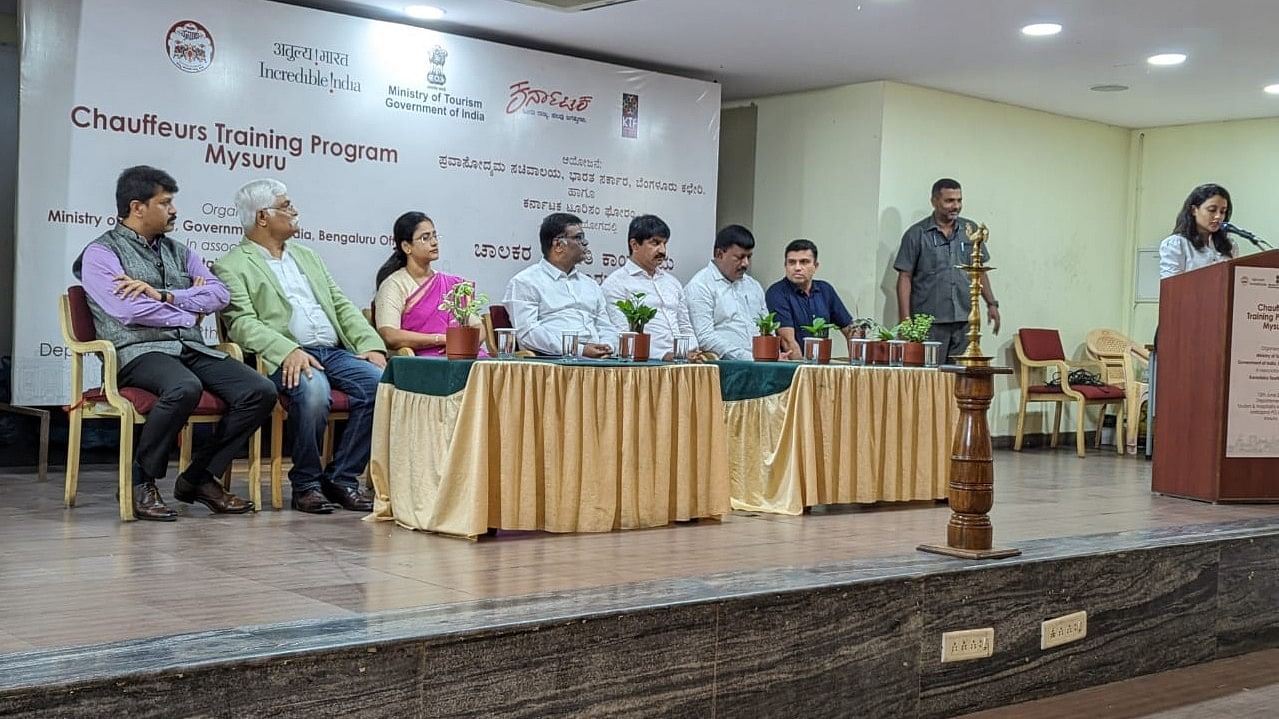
642	274
724	301
552	297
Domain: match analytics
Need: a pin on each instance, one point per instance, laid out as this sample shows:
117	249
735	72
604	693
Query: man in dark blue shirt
797	298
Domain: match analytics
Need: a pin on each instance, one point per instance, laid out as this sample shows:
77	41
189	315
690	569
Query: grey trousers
952	336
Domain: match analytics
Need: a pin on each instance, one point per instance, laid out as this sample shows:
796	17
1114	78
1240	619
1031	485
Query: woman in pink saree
407	307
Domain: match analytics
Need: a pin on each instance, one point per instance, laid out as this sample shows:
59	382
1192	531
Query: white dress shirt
1177	255
662	292
308	324
723	313
544	302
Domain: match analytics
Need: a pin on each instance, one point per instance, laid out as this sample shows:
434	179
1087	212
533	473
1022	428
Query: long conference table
462	447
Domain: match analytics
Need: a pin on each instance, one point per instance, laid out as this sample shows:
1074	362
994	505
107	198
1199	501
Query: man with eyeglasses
552	297
287	308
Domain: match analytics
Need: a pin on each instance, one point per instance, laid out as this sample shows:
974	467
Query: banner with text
363	120
1252	417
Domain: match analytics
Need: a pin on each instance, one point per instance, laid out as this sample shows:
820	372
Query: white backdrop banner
363	120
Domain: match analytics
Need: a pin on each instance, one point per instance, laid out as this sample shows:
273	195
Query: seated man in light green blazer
287	308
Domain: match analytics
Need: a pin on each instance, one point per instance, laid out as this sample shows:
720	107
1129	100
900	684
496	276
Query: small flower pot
462	342
639	350
877	353
914	354
766	348
823	349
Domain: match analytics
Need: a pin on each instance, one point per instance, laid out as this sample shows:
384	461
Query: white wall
852	167
1242	156
817	177
1054	193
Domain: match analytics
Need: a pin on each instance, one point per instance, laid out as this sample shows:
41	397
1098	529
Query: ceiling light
1041	29
424	12
1271	89
1168	58
1108	88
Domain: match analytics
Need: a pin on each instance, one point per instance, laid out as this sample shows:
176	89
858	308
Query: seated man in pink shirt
147	293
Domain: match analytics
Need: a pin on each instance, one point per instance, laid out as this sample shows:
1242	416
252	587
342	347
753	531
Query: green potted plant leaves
463	304
637	315
820	328
766	347
914	331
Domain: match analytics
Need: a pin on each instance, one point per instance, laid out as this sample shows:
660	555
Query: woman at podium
1199	238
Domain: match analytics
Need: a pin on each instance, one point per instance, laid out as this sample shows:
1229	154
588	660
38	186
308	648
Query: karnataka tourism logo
190	46
436	75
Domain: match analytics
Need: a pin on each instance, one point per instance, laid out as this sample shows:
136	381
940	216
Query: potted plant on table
637	315
766	347
463	304
820	328
915	331
877	353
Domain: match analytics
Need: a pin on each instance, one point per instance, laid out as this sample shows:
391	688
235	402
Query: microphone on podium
1235	230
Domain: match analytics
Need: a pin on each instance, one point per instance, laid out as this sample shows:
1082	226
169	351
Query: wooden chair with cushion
339	410
1124	361
129	405
1041	349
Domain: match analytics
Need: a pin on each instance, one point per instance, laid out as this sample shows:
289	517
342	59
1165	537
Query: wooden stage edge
103	617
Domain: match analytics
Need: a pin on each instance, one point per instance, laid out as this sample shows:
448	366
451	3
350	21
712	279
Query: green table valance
442	377
742	379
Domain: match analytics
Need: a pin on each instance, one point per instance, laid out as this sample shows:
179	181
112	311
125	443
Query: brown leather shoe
348	498
148	505
312	501
210	494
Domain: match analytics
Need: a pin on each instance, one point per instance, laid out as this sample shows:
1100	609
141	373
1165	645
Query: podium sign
1252	416
1217	432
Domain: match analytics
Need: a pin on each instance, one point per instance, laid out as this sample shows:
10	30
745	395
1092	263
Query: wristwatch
166	297
993	303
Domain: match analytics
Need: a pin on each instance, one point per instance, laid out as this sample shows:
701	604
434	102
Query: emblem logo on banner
436	76
630	115
190	46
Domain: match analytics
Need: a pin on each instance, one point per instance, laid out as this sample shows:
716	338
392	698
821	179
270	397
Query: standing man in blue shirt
797	298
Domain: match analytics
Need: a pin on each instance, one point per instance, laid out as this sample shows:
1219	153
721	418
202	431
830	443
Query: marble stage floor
80	577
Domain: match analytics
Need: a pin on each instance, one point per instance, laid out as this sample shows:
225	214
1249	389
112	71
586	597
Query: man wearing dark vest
148	293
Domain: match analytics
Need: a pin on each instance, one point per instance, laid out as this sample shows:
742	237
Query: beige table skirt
843	435
560	448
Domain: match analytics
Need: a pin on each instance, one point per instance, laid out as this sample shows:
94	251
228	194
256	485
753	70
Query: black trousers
953	337
178	382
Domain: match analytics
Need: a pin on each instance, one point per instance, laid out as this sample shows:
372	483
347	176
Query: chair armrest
231	349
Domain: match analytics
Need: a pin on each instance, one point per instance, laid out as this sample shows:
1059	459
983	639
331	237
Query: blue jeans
309	403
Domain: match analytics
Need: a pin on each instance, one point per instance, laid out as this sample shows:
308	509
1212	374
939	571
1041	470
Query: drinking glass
932	354
857	349
812	349
896	353
626	346
682	345
505	343
568	345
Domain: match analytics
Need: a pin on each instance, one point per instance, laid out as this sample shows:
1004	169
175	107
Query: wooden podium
1199	333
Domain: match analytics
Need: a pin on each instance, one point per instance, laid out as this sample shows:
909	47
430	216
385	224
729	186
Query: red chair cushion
1087	390
82	327
143	401
1041	345
338	401
500	318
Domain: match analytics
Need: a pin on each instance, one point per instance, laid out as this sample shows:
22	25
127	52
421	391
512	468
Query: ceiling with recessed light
973	47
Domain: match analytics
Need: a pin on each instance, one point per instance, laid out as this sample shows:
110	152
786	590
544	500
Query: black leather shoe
148	505
348	498
211	494
312	501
